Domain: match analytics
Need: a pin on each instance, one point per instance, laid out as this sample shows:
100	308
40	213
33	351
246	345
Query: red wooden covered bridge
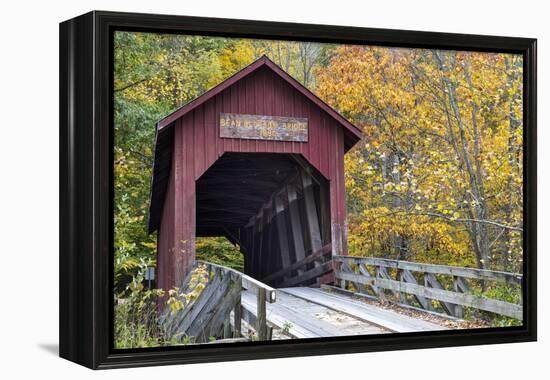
257	159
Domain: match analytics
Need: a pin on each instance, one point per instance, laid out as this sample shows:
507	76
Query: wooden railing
208	314
298	272
373	276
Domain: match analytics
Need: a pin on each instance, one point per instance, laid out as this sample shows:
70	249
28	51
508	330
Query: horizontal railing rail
264	293
355	270
209	313
248	282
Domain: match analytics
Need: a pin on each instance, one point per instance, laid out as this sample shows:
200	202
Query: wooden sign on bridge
262	127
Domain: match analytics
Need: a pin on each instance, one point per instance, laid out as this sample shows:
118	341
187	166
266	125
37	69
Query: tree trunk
479	234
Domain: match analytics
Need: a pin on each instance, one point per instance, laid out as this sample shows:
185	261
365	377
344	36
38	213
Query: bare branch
131	85
470	220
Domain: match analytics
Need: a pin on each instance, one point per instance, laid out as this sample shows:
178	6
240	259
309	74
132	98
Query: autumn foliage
438	176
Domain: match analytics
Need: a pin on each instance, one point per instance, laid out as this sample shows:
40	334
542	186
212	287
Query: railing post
237	317
434	283
227	329
429	305
377	275
459	286
401	278
261	323
343	268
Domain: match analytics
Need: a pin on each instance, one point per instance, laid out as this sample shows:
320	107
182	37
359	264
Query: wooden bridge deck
232	305
313	312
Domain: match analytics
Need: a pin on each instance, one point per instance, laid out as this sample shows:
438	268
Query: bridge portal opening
275	208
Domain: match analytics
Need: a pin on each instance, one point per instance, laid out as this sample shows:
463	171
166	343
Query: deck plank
301	325
329	322
308	319
371	314
275	318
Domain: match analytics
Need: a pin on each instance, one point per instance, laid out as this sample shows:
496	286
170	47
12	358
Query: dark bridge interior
275	207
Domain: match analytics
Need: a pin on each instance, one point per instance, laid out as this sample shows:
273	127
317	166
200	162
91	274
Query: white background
29	187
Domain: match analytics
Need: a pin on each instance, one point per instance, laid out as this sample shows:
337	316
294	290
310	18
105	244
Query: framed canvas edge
86	190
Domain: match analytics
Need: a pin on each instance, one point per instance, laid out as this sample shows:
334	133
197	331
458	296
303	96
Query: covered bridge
258	159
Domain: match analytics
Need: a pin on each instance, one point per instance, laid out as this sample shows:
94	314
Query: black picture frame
86	189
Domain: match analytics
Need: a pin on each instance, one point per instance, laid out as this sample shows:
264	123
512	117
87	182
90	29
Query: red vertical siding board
197	143
258	103
336	171
179	199
288	96
243	101
169	226
333	164
299	109
164	236
187	213
268	106
171	244
161	246
283	109
210	140
342	200
166	239
292	110
218	111
281	103
323	133
307	109
201	141
314	153
241	108
296	110
235	143
184	212
337	193
331	168
248	107
175	258
262	146
234	104
275	104
224	108
328	143
169	236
